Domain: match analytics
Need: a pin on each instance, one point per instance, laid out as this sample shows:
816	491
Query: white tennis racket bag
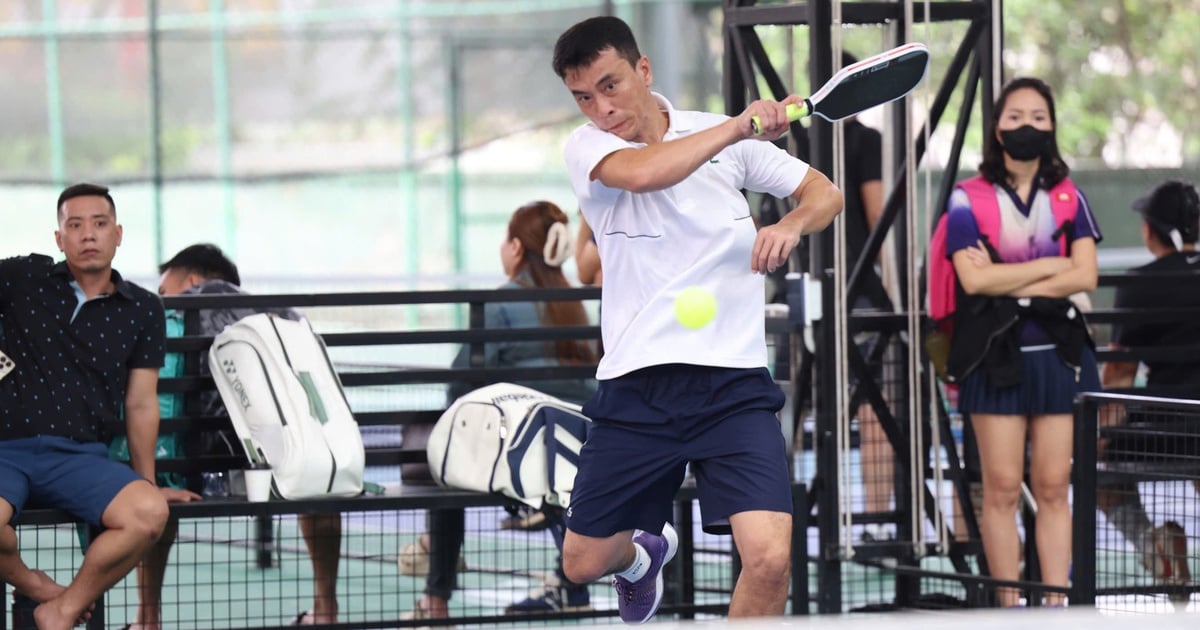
287	406
509	439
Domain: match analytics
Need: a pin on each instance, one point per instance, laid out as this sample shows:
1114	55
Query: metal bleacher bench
397	497
401	497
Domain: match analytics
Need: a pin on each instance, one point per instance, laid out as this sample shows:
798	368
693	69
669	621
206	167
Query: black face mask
1026	143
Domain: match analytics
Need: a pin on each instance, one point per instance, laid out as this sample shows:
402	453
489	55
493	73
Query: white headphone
558	244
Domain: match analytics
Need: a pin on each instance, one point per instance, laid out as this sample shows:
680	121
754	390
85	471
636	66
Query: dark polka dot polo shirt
72	359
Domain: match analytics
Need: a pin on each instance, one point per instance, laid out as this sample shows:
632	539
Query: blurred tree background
1127	74
420	125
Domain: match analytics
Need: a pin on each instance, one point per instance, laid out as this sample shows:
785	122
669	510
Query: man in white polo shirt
661	189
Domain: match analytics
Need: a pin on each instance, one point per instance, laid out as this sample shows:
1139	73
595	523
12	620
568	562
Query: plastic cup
258	483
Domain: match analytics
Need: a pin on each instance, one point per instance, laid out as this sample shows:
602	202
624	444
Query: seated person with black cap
1170	227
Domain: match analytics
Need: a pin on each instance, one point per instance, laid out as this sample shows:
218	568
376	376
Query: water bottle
216	484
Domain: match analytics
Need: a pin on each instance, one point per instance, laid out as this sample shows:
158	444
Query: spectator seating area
241	564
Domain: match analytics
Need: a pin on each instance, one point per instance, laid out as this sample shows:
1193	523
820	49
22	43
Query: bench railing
398	501
1147	446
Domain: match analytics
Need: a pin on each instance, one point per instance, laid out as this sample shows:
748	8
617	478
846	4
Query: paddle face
874	81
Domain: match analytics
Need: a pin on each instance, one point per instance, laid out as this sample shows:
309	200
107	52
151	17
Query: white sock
640	566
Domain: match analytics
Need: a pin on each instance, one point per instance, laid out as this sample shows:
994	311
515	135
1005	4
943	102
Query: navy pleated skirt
1048	385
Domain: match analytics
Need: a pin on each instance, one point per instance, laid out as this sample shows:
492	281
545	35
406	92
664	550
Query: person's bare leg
31	583
878	463
587	558
133	520
151	572
1002	457
323	535
764	541
1050	441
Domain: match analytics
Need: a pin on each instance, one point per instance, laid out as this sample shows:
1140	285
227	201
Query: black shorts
650	424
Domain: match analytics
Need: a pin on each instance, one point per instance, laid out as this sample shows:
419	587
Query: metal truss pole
746	64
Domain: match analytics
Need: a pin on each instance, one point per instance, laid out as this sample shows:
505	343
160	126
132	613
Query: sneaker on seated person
553	598
879	532
526	519
414	558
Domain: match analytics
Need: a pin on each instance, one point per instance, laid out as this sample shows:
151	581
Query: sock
1130	519
640	566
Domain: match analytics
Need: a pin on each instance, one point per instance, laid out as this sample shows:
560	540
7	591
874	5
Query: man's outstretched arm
664	164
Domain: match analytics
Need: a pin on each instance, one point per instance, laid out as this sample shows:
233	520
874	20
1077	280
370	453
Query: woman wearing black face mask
1022	239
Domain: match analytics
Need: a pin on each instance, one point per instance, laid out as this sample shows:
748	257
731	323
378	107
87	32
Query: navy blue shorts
1048	385
649	424
61	473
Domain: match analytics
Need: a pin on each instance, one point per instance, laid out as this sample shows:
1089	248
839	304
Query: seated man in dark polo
85	347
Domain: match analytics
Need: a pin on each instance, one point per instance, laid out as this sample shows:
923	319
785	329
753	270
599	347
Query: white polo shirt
697	232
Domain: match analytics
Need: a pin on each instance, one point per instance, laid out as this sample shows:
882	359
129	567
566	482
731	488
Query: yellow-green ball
695	307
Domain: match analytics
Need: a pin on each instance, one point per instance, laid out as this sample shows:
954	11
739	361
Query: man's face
614	95
175	281
88	233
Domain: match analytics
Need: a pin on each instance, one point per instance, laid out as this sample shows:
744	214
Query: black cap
1171	205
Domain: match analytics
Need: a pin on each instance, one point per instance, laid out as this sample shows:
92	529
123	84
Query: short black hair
85	190
204	259
582	44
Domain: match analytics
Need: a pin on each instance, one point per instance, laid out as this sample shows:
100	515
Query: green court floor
213	579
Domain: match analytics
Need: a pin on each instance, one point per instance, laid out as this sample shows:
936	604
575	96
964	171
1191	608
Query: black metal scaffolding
746	62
